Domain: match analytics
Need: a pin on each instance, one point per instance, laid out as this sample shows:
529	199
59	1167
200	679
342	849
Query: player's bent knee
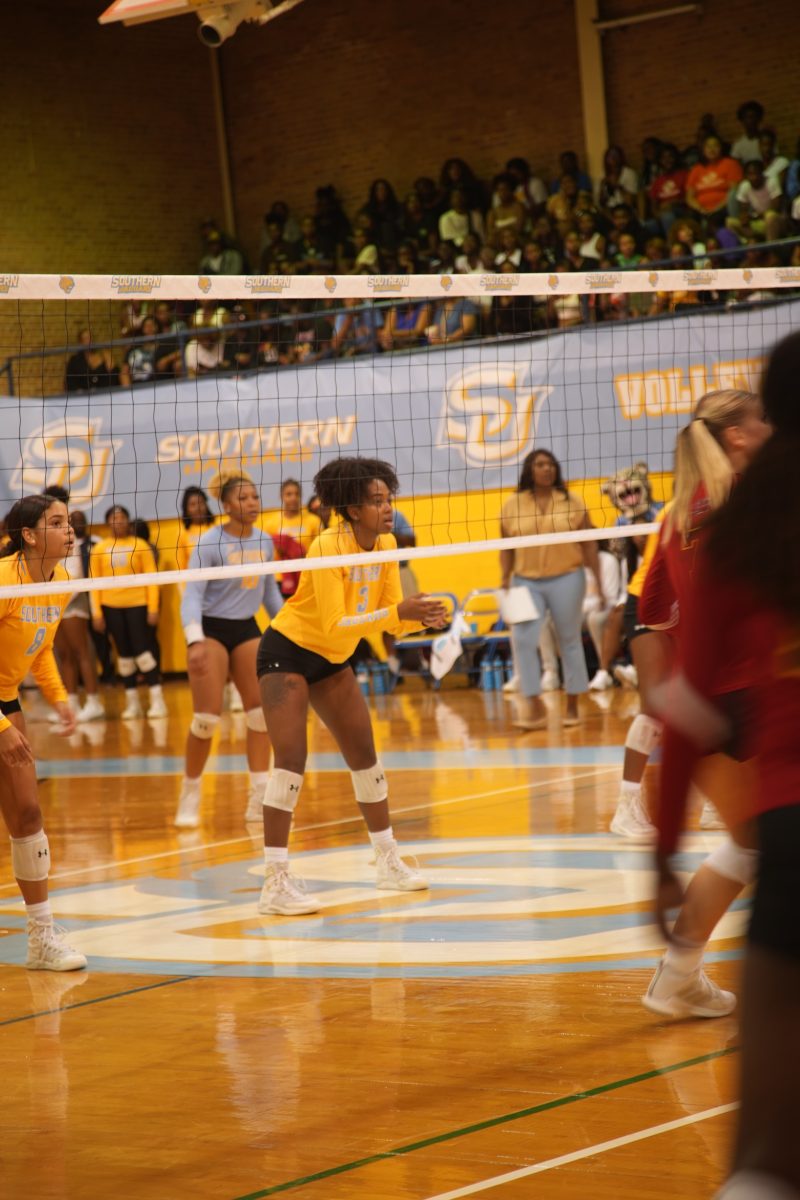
30	857
733	862
126	667
370	786
644	735
283	790
146	662
203	725
254	719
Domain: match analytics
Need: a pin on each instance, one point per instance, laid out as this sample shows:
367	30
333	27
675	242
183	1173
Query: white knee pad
734	862
146	662
283	790
644	735
370	786
254	719
126	667
30	857
203	725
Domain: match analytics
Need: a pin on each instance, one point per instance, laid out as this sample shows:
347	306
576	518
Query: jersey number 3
363	599
37	641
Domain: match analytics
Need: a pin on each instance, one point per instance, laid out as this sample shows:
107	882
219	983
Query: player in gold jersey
39	540
304	659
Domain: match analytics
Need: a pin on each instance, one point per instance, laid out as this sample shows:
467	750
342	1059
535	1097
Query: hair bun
228	473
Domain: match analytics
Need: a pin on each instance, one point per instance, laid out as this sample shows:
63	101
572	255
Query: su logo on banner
490	417
71	452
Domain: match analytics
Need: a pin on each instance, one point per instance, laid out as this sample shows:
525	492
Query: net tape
227	287
332	561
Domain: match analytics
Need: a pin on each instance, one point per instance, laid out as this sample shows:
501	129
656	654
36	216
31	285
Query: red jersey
712	634
723	645
670	589
287	548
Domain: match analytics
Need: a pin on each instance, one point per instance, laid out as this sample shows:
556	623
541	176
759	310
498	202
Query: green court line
438	1138
147	987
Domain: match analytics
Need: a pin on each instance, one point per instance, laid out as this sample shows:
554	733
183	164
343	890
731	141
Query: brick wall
344	91
111	157
663	75
361	91
110	160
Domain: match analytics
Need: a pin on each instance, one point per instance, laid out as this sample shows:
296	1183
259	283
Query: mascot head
629	491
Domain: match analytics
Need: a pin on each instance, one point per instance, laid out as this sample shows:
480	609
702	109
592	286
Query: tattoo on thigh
276	689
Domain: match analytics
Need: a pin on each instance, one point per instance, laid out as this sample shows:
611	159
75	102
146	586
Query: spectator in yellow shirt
129	614
196	518
291	520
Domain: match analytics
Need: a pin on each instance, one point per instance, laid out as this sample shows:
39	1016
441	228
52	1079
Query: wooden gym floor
484	1038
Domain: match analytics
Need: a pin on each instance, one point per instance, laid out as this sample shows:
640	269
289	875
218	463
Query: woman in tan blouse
554	576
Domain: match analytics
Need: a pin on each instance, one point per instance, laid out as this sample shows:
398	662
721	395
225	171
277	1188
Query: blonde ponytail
700	458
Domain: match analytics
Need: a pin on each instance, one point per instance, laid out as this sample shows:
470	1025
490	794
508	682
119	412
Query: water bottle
362	679
378	679
497	676
487	676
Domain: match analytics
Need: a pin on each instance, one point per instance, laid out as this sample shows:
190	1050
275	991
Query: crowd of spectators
678	205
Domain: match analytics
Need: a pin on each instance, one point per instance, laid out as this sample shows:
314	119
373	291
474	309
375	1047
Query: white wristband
194	633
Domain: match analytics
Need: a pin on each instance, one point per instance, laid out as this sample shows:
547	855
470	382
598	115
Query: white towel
446	650
516	604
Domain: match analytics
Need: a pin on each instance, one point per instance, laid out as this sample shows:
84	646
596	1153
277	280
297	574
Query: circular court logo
508	905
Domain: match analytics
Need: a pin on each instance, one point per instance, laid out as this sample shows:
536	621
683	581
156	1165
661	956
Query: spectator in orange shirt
712	181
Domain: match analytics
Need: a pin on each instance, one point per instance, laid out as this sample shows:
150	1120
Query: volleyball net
128	389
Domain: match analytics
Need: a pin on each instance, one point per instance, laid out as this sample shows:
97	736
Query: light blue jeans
562	596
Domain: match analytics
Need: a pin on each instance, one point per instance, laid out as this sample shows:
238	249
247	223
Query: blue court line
393	760
206	970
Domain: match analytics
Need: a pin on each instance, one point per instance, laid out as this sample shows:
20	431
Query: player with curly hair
304	660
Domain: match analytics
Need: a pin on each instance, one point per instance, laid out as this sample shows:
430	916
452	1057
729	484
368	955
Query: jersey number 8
37	641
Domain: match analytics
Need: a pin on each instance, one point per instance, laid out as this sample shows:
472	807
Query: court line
57	770
356	817
589	1152
148	987
492	1122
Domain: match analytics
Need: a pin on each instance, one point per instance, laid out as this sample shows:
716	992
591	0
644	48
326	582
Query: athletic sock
684	957
276	854
383	839
41	913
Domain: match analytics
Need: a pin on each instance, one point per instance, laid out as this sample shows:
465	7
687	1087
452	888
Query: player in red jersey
727	430
748	587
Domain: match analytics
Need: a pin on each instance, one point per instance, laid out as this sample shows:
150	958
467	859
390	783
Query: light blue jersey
233	599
